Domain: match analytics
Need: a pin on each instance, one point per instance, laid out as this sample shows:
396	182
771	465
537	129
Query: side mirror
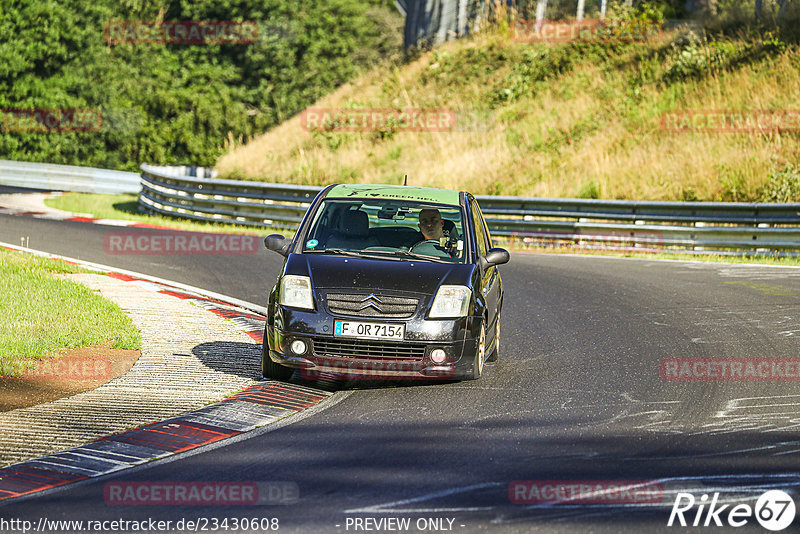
496	256
278	243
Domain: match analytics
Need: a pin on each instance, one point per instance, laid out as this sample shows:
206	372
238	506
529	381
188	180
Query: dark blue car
390	282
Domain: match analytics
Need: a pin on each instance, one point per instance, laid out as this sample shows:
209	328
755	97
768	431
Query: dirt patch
86	368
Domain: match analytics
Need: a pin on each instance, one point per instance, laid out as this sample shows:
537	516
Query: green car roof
400	192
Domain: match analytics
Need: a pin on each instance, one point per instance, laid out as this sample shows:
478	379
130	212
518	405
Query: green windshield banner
400	192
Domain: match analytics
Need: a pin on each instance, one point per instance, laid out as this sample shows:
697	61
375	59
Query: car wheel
270	369
480	355
496	351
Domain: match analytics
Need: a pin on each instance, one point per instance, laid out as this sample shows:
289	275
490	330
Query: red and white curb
258	405
250	321
65	216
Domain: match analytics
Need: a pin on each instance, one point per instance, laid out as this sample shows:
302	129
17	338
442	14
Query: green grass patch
43	314
126	207
709	258
714	258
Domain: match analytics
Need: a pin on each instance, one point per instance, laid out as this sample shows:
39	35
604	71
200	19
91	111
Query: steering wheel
434	242
431	244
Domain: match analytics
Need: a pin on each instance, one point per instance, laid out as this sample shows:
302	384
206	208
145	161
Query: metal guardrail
722	227
195	193
67	178
227	201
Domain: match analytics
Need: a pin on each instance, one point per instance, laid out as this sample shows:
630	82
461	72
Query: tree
702	7
541	9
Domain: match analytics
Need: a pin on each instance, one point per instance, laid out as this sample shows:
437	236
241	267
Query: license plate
369	330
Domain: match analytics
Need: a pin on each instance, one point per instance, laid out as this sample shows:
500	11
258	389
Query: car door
490	278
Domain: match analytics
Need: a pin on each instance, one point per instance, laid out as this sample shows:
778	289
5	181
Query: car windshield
388	228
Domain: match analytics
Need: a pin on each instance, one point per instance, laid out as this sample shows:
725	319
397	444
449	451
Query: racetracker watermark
200	493
51	120
63	368
191	32
730	369
340	120
638	240
731	121
179	243
561	31
585	492
341	369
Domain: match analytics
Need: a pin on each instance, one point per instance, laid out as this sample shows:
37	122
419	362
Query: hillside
576	119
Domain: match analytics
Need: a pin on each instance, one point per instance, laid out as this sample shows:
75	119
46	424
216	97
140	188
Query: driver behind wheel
434	228
431	224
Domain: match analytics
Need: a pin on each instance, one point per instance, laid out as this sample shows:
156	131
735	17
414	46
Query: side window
480	230
489	243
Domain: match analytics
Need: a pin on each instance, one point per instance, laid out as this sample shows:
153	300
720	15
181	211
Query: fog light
438	356
298	346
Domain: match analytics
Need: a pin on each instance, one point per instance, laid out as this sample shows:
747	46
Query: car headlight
296	292
451	301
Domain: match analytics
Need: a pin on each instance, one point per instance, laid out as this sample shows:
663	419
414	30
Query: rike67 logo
774	510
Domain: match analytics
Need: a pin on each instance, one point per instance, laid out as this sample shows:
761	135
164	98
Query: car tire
480	355
496	351
270	369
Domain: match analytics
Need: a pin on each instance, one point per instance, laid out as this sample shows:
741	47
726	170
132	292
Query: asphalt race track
577	395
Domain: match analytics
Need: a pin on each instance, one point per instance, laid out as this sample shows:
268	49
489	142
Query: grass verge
708	258
43	314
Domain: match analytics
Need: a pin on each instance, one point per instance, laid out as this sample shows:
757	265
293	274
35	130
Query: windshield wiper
354	253
381	253
409	254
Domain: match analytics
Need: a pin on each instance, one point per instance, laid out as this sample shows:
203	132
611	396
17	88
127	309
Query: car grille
363	349
371	305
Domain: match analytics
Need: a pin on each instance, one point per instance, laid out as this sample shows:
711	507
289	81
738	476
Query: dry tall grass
591	131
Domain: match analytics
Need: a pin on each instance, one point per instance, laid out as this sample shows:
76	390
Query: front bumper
358	358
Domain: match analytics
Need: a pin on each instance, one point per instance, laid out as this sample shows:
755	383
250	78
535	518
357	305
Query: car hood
366	273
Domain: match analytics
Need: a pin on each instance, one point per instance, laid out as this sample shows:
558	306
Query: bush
783	186
535	65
